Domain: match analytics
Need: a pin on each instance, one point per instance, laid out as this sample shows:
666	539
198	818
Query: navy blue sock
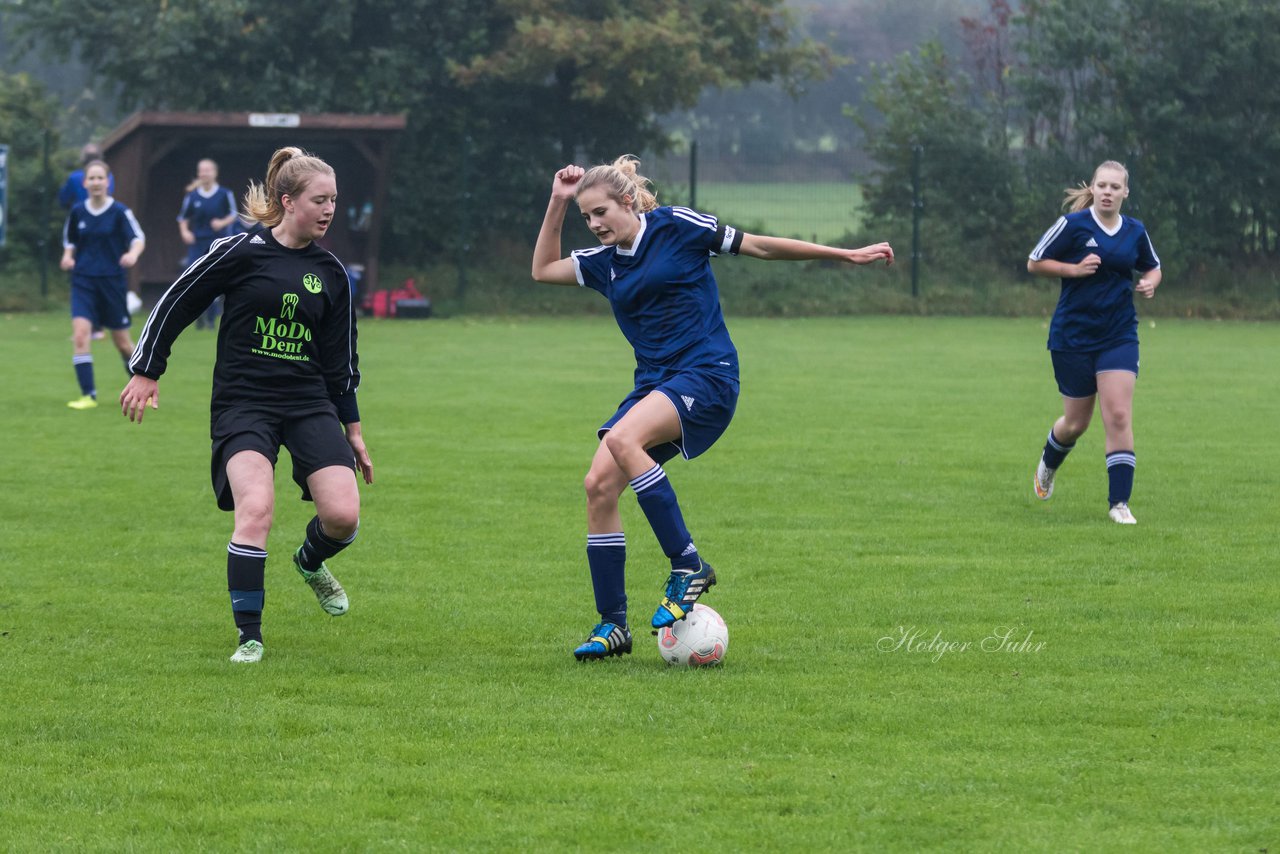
319	546
658	501
246	567
84	373
1055	451
1120	467
607	557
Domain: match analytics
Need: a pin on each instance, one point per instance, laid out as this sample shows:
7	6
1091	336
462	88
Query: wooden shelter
153	156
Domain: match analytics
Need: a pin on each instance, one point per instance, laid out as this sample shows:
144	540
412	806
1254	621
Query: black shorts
314	442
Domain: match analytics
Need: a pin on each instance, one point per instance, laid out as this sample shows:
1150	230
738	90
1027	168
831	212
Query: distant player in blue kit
286	374
100	240
1093	337
208	212
653	265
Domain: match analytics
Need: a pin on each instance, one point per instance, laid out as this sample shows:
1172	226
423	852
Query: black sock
319	546
246	566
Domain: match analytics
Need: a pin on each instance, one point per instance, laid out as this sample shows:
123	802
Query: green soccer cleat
249	652
332	598
85	402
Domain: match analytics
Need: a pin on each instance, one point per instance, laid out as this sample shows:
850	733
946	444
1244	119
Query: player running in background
100	240
1093	337
653	265
286	374
208	212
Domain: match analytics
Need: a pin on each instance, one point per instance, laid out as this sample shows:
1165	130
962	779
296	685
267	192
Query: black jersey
287	342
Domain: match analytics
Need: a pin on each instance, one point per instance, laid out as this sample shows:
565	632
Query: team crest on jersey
312	283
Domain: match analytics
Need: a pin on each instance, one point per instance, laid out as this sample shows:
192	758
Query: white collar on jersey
635	243
108	202
1111	232
213	191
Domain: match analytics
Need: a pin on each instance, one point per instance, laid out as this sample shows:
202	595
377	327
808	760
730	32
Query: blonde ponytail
287	175
1079	198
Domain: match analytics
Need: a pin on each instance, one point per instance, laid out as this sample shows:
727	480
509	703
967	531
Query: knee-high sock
658	501
83	363
246	567
319	546
1120	468
1055	451
607	558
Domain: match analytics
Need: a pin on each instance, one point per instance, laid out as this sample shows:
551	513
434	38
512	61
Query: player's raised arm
548	264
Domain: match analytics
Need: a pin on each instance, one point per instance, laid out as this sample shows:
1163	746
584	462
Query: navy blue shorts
102	300
1077	373
314	441
705	403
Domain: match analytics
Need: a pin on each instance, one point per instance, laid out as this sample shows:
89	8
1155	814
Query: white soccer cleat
1043	481
1120	515
329	593
249	652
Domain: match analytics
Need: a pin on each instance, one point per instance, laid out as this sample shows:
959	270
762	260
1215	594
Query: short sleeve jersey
1096	312
287	341
100	237
664	295
200	209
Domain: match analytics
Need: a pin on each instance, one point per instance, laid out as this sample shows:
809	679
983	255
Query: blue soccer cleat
683	589
606	639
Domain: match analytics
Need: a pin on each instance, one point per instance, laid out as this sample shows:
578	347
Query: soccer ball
698	640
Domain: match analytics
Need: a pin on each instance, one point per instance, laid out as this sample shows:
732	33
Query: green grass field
875	483
822	212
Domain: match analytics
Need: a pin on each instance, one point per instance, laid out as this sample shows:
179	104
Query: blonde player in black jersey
286	374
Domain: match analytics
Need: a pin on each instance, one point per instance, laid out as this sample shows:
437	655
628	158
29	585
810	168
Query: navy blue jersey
100	237
200	209
664	295
287	342
1096	312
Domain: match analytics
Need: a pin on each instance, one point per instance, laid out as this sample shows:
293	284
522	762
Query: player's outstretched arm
786	249
138	394
548	265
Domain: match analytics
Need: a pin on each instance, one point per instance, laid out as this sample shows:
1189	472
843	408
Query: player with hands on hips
1093	337
653	265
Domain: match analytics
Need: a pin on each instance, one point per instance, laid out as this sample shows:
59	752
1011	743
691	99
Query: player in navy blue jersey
208	212
653	265
1093	337
286	374
100	240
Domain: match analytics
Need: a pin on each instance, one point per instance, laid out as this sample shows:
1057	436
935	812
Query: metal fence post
693	174
916	205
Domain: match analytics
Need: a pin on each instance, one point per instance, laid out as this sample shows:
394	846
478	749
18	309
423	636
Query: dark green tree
28	125
498	93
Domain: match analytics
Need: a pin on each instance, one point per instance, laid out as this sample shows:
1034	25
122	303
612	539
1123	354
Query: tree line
499	92
1181	91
